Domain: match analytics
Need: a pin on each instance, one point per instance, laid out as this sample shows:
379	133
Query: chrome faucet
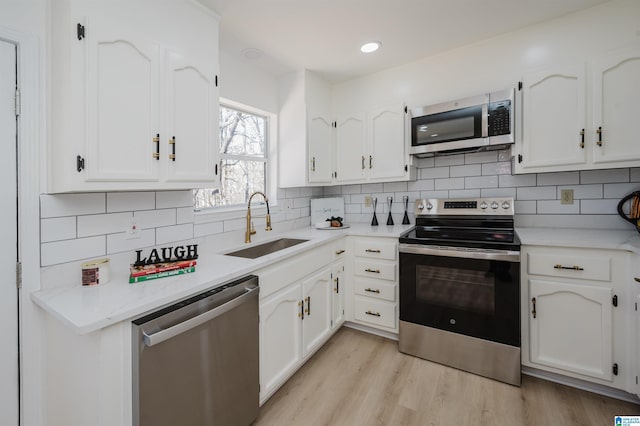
250	230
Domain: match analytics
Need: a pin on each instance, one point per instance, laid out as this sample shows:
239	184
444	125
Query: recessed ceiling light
252	53
370	47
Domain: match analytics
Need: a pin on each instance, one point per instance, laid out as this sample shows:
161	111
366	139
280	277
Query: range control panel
459	206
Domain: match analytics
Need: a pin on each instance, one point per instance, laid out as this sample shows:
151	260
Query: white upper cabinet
305	131
554	119
571	123
350	148
616	91
372	146
130	80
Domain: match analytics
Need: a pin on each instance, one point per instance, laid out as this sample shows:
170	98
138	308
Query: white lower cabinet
576	305
301	306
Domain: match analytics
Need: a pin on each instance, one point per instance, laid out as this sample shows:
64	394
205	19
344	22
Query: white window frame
210	214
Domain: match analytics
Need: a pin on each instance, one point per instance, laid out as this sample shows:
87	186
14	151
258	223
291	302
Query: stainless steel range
460	286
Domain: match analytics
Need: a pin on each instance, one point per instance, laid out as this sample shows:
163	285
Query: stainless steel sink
266	248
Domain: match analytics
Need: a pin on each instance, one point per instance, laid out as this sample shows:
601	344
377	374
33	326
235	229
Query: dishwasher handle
161	336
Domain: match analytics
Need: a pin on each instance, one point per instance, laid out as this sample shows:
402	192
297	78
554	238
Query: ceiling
325	35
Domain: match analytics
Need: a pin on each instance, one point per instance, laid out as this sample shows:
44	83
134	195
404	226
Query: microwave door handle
485	120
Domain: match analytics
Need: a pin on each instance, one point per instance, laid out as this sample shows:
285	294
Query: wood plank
358	379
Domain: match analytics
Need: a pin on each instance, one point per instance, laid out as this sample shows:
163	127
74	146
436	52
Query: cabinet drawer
589	267
376	248
376	289
375	312
371	269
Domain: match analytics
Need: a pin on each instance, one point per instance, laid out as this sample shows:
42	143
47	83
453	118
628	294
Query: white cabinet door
616	90
122	103
316	324
387	145
554	122
572	327
338	285
280	333
320	146
350	139
192	110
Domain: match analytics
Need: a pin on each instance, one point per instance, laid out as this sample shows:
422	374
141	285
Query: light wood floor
361	379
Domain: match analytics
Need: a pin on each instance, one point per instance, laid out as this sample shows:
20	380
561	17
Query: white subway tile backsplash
422	163
559	178
582	191
464	193
395	187
56	229
536	193
100	224
516	180
604	176
468	170
170	234
434	194
117	243
421	185
71	204
452	183
352	208
498	192
357	198
481	182
333	190
554	207
294	192
306	192
127	201
598	206
503	168
351	189
235	224
481	157
184	215
147	219
524	207
371	188
168	199
635	174
70	250
300	203
434	173
211	228
448	160
619	190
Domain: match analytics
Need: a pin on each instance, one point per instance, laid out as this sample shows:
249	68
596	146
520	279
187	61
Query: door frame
31	132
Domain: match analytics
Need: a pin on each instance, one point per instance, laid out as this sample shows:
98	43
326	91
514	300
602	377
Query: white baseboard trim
371	330
581	384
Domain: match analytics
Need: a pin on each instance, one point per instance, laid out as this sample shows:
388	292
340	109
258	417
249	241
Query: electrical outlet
133	229
367	201
566	196
289	203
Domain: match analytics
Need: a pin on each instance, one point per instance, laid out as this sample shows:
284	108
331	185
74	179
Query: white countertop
586	238
87	309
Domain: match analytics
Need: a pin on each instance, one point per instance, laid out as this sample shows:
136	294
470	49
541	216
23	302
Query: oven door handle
501	255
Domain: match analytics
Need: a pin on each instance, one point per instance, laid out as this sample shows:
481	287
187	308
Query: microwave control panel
500	118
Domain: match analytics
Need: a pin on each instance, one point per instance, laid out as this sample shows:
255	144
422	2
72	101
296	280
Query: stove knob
484	205
420	206
494	205
429	206
506	205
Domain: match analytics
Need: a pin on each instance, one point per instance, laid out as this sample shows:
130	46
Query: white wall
495	63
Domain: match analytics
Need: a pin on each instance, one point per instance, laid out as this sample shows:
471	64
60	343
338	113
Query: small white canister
95	272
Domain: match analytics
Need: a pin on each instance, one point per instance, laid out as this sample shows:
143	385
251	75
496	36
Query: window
243	159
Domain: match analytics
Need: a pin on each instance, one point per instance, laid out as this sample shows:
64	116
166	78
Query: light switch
367	201
566	196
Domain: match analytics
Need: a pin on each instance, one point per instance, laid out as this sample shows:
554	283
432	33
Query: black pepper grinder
390	219
374	221
405	219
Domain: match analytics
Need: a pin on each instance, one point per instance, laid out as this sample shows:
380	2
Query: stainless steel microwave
477	123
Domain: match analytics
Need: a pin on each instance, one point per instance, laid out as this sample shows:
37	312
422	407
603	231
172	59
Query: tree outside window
243	160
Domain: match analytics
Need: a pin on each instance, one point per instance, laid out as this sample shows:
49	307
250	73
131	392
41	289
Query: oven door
474	292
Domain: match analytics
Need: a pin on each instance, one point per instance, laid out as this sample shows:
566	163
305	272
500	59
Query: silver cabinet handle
573	268
166	334
375	271
371	290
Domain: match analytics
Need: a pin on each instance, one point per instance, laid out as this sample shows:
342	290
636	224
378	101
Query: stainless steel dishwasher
196	363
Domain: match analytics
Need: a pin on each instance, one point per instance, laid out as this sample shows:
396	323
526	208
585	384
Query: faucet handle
268	228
